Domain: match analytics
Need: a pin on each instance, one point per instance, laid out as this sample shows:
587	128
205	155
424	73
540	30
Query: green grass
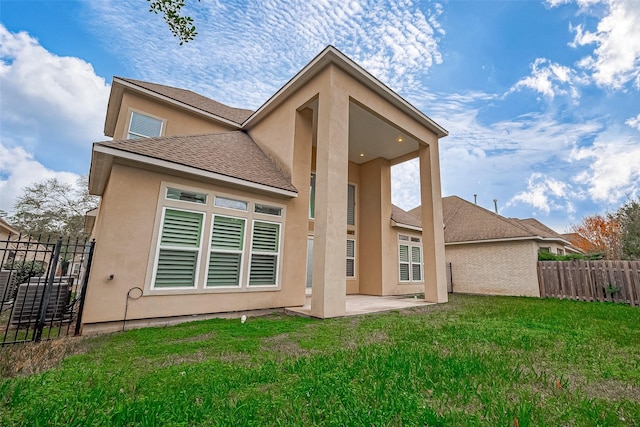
475	361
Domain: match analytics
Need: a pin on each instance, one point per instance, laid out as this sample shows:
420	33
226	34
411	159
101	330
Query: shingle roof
232	154
465	221
539	228
236	115
403	217
468	222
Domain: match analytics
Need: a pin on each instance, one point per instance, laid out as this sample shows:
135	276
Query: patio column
435	278
328	294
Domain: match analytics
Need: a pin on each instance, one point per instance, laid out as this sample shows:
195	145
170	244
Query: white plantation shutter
265	248
404	263
416	264
351	205
225	259
142	126
179	249
351	258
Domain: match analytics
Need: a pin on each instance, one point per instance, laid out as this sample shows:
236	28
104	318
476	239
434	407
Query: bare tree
52	207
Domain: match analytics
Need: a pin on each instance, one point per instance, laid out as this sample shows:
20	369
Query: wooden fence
613	281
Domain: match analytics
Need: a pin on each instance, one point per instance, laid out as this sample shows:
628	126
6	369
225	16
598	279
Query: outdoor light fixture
400	139
361	154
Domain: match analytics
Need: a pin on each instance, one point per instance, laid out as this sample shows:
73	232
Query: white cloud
615	61
544	193
550	79
51	109
18	169
634	122
614	170
241	55
45	95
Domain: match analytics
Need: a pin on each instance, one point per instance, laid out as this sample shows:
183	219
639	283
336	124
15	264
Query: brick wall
501	268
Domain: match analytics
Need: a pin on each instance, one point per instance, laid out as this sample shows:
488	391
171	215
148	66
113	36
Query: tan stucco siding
500	268
176	121
129	213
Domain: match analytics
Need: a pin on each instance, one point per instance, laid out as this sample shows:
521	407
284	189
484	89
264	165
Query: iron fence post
83	289
46	295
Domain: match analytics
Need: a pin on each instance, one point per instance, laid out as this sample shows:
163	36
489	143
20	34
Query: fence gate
42	287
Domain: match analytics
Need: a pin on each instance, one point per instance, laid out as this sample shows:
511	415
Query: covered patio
356	305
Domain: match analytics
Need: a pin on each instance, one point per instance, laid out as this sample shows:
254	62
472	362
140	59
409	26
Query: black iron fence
42	287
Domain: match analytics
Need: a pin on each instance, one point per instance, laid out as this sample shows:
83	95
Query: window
560	251
410	263
225	258
179	249
312	196
223	202
142	126
265	248
351	201
544	250
267	210
186	196
351	258
208	242
351	204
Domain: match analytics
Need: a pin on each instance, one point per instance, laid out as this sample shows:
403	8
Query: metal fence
612	281
42	287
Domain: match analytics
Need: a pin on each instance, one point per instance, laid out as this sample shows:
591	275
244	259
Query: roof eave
122	84
111	153
331	55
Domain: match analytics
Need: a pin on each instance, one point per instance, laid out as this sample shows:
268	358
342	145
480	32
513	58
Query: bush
26	270
548	256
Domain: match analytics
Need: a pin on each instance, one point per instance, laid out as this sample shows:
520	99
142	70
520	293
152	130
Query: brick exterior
500	268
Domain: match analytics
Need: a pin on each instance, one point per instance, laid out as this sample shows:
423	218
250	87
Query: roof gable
184	98
331	55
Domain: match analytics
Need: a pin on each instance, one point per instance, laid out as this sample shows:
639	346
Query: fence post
46	295
85	281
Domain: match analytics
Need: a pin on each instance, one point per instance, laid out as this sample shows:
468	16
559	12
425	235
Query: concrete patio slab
365	304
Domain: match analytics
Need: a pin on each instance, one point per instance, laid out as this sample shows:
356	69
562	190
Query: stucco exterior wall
176	121
128	214
500	268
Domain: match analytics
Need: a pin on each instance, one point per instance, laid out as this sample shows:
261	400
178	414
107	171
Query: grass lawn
494	361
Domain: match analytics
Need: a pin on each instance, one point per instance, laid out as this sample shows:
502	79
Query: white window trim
252	252
179	248
210	249
209	210
409	244
355	269
142	113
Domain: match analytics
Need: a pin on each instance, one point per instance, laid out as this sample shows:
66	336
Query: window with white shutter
351	204
351	258
142	126
265	251
410	262
179	250
227	247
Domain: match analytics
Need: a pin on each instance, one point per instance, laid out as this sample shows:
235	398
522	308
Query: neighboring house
208	208
581	243
491	254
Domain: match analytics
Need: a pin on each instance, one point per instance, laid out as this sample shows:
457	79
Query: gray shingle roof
468	222
403	217
233	154
236	115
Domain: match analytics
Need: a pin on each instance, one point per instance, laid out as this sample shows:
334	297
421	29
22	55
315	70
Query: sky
541	98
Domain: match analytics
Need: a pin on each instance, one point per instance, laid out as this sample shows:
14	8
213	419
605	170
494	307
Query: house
207	208
491	254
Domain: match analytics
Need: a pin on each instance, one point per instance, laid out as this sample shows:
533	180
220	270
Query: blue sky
541	97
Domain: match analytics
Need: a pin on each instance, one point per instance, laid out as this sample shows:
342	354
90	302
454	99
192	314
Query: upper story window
141	126
351	201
